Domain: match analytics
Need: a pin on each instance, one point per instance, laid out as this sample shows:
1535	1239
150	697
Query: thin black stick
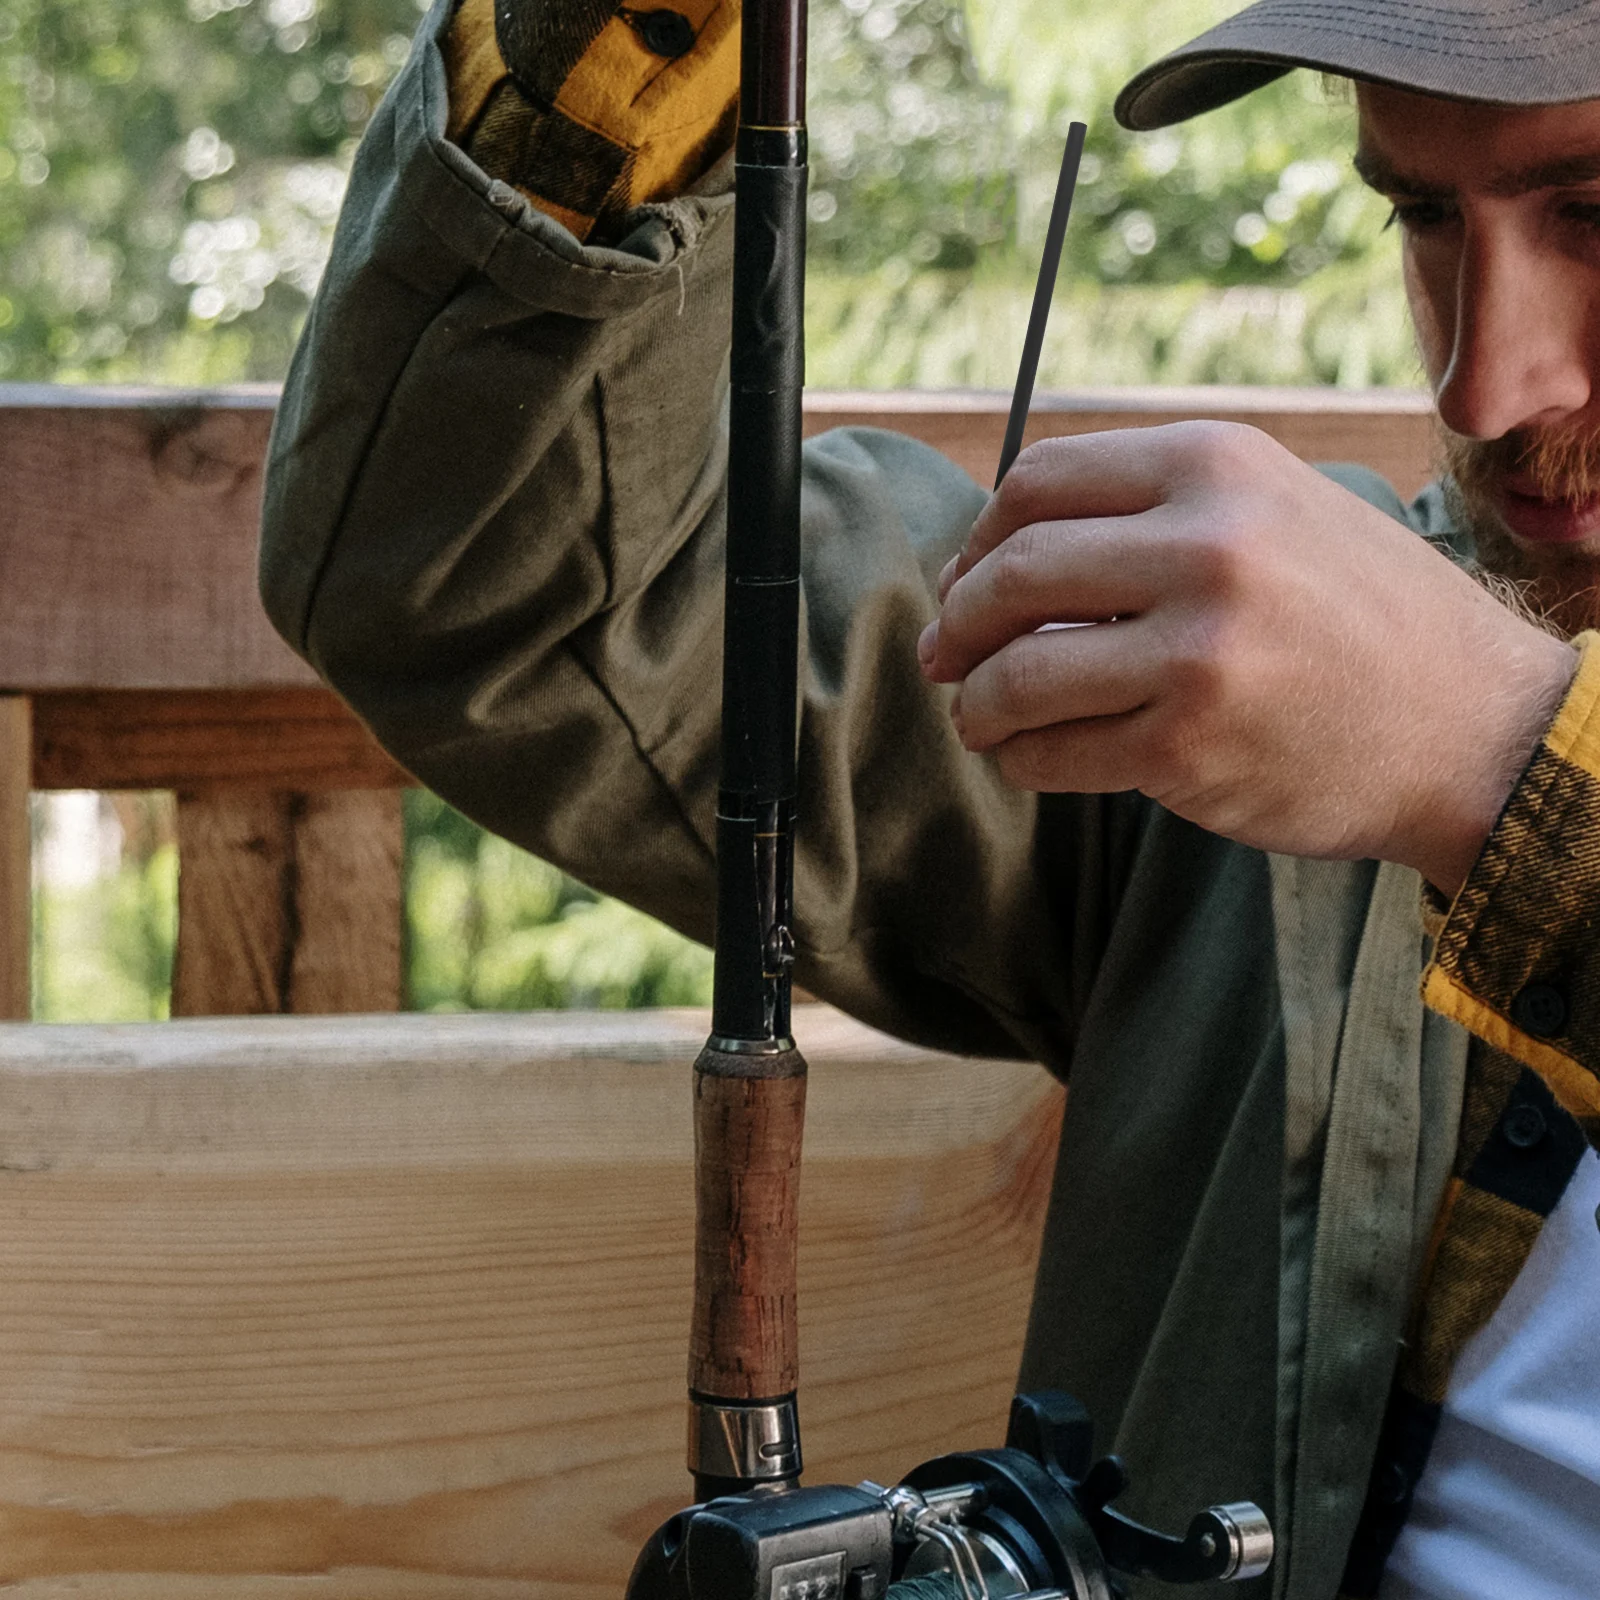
1060	210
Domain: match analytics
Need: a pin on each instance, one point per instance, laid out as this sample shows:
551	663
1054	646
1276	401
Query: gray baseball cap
1507	52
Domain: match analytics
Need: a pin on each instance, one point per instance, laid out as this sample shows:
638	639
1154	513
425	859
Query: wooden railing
355	1308
351	1307
134	654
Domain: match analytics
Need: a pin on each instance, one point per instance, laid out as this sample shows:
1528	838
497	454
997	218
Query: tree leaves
170	171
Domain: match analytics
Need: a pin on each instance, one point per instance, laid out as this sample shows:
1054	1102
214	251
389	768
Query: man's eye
1584	212
1419	215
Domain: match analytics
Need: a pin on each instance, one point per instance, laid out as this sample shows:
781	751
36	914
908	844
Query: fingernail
928	643
947	576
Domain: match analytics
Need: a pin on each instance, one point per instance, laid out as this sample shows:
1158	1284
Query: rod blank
1049	268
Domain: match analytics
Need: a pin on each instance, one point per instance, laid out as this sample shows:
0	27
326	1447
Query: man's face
1500	214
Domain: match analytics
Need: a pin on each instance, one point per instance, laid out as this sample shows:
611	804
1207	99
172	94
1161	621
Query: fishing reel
1032	1521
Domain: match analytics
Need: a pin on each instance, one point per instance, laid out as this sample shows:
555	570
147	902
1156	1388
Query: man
1297	1248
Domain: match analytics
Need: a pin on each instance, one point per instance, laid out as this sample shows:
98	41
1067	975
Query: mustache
1563	464
1555	593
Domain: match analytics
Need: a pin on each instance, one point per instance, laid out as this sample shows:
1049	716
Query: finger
1049	572
1100	756
1085	475
1043	679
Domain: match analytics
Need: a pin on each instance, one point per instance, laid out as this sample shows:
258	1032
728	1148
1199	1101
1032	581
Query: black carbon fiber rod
750	1080
1049	268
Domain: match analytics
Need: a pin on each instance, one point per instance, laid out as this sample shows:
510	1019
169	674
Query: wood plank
208	741
16	859
396	1309
127	541
129	526
288	903
1392	431
235	904
348	850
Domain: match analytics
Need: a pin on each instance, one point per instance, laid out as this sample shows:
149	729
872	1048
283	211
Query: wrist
1488	746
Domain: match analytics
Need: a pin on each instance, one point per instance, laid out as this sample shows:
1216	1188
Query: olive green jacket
493	521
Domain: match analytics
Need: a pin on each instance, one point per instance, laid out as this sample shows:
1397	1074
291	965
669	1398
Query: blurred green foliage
169	174
170	171
488	927
491	927
1239	248
103	939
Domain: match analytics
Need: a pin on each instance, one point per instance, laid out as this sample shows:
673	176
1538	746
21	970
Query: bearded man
1313	1239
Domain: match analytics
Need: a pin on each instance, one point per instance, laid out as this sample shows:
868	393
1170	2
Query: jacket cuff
1518	958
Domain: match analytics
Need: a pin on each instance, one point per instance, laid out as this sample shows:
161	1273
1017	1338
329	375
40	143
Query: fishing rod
750	1080
1033	1520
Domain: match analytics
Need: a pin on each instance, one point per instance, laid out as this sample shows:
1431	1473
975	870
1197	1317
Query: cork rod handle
744	1344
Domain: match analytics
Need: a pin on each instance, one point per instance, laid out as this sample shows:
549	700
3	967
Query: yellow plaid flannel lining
1514	962
590	118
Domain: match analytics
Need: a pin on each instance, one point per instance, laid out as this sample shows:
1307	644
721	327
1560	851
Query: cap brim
1539	52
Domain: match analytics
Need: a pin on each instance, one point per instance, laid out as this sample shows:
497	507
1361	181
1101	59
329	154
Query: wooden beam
1390	430
302	739
128	534
395	1309
16	858
130	520
288	903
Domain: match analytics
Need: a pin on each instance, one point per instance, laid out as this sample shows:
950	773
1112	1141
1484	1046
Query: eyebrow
1564	172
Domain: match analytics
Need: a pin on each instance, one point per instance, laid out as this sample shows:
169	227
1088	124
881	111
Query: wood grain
348	849
129	524
288	903
235	904
16	859
302	739
394	1309
127	541
1390	430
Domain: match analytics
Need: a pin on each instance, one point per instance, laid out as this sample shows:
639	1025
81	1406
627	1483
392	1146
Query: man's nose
1520	353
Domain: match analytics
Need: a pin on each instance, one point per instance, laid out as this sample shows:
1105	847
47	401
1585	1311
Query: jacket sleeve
494	519
1517	959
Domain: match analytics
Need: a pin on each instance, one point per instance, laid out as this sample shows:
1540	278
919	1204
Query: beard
1555	586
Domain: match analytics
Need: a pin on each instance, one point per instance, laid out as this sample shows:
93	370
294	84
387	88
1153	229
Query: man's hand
1287	666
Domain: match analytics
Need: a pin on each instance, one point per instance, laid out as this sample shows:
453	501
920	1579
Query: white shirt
1508	1506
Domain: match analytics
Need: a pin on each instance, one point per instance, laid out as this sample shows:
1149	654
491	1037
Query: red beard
1558	581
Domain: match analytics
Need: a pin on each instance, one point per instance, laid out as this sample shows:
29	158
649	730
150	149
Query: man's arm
1292	669
494	522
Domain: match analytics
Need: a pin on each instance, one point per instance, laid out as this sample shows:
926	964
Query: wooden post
235	904
288	902
16	857
348	846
